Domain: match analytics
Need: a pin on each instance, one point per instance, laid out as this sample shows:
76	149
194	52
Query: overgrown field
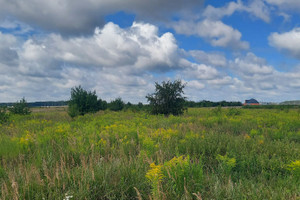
204	154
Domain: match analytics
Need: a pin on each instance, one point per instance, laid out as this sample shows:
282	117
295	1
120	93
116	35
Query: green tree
20	108
117	104
102	104
167	98
83	102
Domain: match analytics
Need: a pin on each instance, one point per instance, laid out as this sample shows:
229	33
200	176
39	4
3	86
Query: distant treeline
190	104
204	103
280	107
40	104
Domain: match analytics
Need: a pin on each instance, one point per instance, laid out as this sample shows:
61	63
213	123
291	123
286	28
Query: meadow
207	153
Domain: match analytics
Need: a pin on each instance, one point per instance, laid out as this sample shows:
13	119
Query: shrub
117	104
167	98
234	112
20	108
102	104
73	110
83	102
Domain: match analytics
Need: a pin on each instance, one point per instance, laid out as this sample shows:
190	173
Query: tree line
168	98
204	103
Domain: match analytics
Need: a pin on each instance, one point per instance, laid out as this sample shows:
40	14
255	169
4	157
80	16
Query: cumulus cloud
288	42
251	65
76	16
115	61
139	48
256	8
214	59
215	32
8	54
285	4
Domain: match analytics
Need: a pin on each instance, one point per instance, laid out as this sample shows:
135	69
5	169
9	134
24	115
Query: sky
222	50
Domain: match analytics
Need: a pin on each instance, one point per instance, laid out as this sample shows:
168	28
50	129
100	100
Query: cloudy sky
224	50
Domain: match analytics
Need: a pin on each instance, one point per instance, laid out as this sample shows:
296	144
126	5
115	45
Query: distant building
251	102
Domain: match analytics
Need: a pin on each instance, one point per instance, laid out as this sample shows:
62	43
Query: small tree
167	98
20	108
83	102
117	104
102	104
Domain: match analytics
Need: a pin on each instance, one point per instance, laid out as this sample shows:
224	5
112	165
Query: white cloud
195	85
251	65
227	80
288	42
16	27
214	59
285	4
215	32
115	61
256	8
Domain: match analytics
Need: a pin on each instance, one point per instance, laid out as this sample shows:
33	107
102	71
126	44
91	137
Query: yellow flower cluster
294	166
155	174
26	139
229	162
183	162
164	133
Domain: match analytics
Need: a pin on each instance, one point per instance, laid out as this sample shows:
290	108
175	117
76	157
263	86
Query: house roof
251	101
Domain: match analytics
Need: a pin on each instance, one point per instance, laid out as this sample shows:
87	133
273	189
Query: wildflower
155	175
247	137
294	165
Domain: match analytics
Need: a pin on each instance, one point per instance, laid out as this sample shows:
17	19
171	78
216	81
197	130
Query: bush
167	98
83	102
20	108
102	104
73	110
117	104
4	116
234	112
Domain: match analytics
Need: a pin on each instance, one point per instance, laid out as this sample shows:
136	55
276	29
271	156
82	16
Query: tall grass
204	154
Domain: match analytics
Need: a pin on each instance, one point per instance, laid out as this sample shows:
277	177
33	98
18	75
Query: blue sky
223	50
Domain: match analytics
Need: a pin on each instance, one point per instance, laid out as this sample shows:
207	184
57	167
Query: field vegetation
206	153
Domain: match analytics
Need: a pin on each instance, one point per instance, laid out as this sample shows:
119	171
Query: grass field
204	154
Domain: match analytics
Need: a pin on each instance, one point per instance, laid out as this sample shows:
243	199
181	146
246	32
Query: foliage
227	163
83	102
205	103
294	167
198	155
167	98
4	115
102	104
234	112
117	104
20	108
73	110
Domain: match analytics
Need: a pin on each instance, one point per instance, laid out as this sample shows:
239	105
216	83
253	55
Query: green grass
206	153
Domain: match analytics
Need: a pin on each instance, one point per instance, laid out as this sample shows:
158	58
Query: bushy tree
117	104
83	102
167	98
20	108
102	104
